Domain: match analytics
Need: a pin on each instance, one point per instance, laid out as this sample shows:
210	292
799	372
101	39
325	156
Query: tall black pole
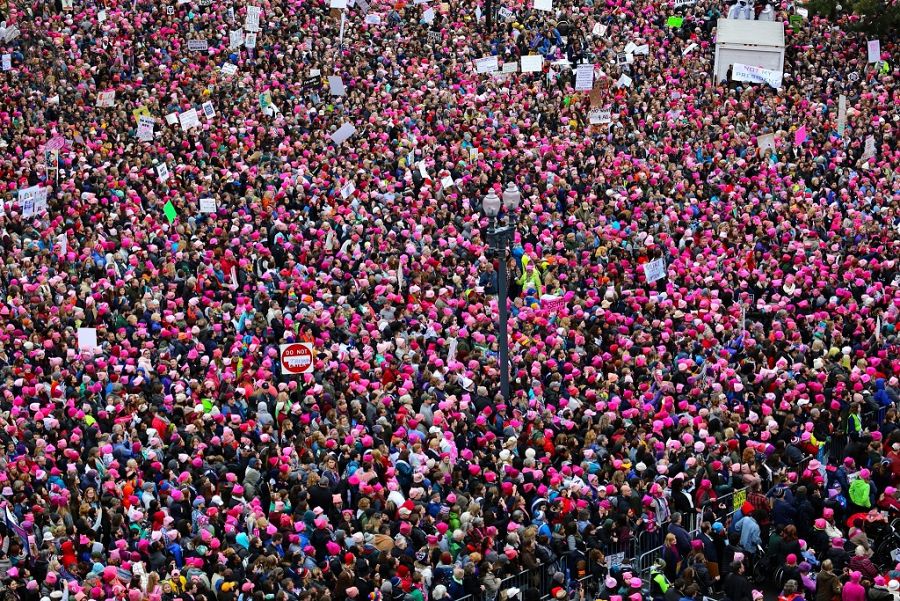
504	343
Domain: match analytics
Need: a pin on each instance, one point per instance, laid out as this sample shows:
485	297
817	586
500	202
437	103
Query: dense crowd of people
173	459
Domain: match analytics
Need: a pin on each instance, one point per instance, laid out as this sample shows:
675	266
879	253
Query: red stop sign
296	358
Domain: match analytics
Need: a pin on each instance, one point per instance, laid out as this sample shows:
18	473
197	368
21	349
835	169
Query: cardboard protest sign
87	340
487	64
170	212
145	128
533	63
751	74
600	116
873	51
106	99
162	172
251	20
341	134
336	85
765	142
584	77
235	39
655	270
842	115
189	119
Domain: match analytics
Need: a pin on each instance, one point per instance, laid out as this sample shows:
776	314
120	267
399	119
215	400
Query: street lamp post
500	237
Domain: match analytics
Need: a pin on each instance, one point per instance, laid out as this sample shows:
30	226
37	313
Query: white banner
197	45
681	3
207	205
742	72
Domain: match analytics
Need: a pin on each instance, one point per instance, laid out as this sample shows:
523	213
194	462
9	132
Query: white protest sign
7	62
208	110
250	40
873	48
532	63
145	128
506	14
600	116
447	181
101	16
869	151
765	142
363	6
373	19
803	12
251	21
347	190
629	48
235	39
345	131
642	49
87	340
624	81
62	243
197	45
842	115
170	10
487	64
584	77
107	98
172	118
33	201
189	119
229	69
162	171
510	67
11	34
543	5
689	49
599	30
207	205
338	4
683	3
655	270
336	85
749	73
428	16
